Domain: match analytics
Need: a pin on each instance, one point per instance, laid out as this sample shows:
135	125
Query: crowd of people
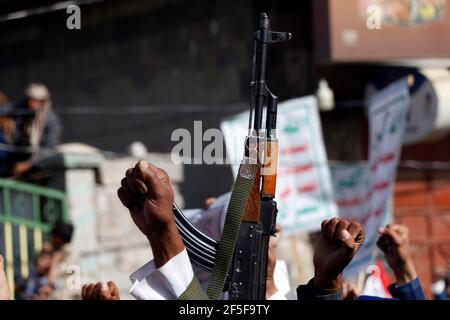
31	127
148	195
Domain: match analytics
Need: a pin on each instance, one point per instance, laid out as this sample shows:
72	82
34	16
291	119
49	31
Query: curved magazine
201	248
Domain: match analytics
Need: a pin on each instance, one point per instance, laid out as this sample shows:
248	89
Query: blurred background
137	70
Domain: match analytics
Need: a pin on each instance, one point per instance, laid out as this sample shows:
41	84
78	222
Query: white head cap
37	91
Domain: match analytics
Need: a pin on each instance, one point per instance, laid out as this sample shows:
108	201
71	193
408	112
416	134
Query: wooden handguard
252	210
270	168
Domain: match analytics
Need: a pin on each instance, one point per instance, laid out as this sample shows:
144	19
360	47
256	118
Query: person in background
65	263
4	287
441	284
37	127
394	242
40	284
61	235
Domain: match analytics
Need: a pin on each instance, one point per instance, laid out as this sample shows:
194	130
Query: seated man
37	128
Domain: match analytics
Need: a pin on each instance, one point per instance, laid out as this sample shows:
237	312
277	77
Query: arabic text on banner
363	192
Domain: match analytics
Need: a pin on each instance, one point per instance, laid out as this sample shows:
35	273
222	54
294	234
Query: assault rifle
249	271
239	262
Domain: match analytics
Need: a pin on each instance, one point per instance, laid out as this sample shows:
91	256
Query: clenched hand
338	243
100	291
394	242
147	193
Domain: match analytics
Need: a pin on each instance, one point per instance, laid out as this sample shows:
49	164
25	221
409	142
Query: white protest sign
304	191
350	181
350	184
363	192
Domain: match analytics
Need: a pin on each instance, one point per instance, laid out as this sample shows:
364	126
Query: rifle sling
238	201
194	292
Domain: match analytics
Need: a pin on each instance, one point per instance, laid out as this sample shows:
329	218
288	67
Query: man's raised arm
394	242
338	243
148	195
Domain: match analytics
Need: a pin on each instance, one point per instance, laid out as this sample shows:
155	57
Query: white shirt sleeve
165	283
281	278
277	296
169	281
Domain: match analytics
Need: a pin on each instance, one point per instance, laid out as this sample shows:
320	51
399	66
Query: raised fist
100	291
148	195
338	243
394	242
